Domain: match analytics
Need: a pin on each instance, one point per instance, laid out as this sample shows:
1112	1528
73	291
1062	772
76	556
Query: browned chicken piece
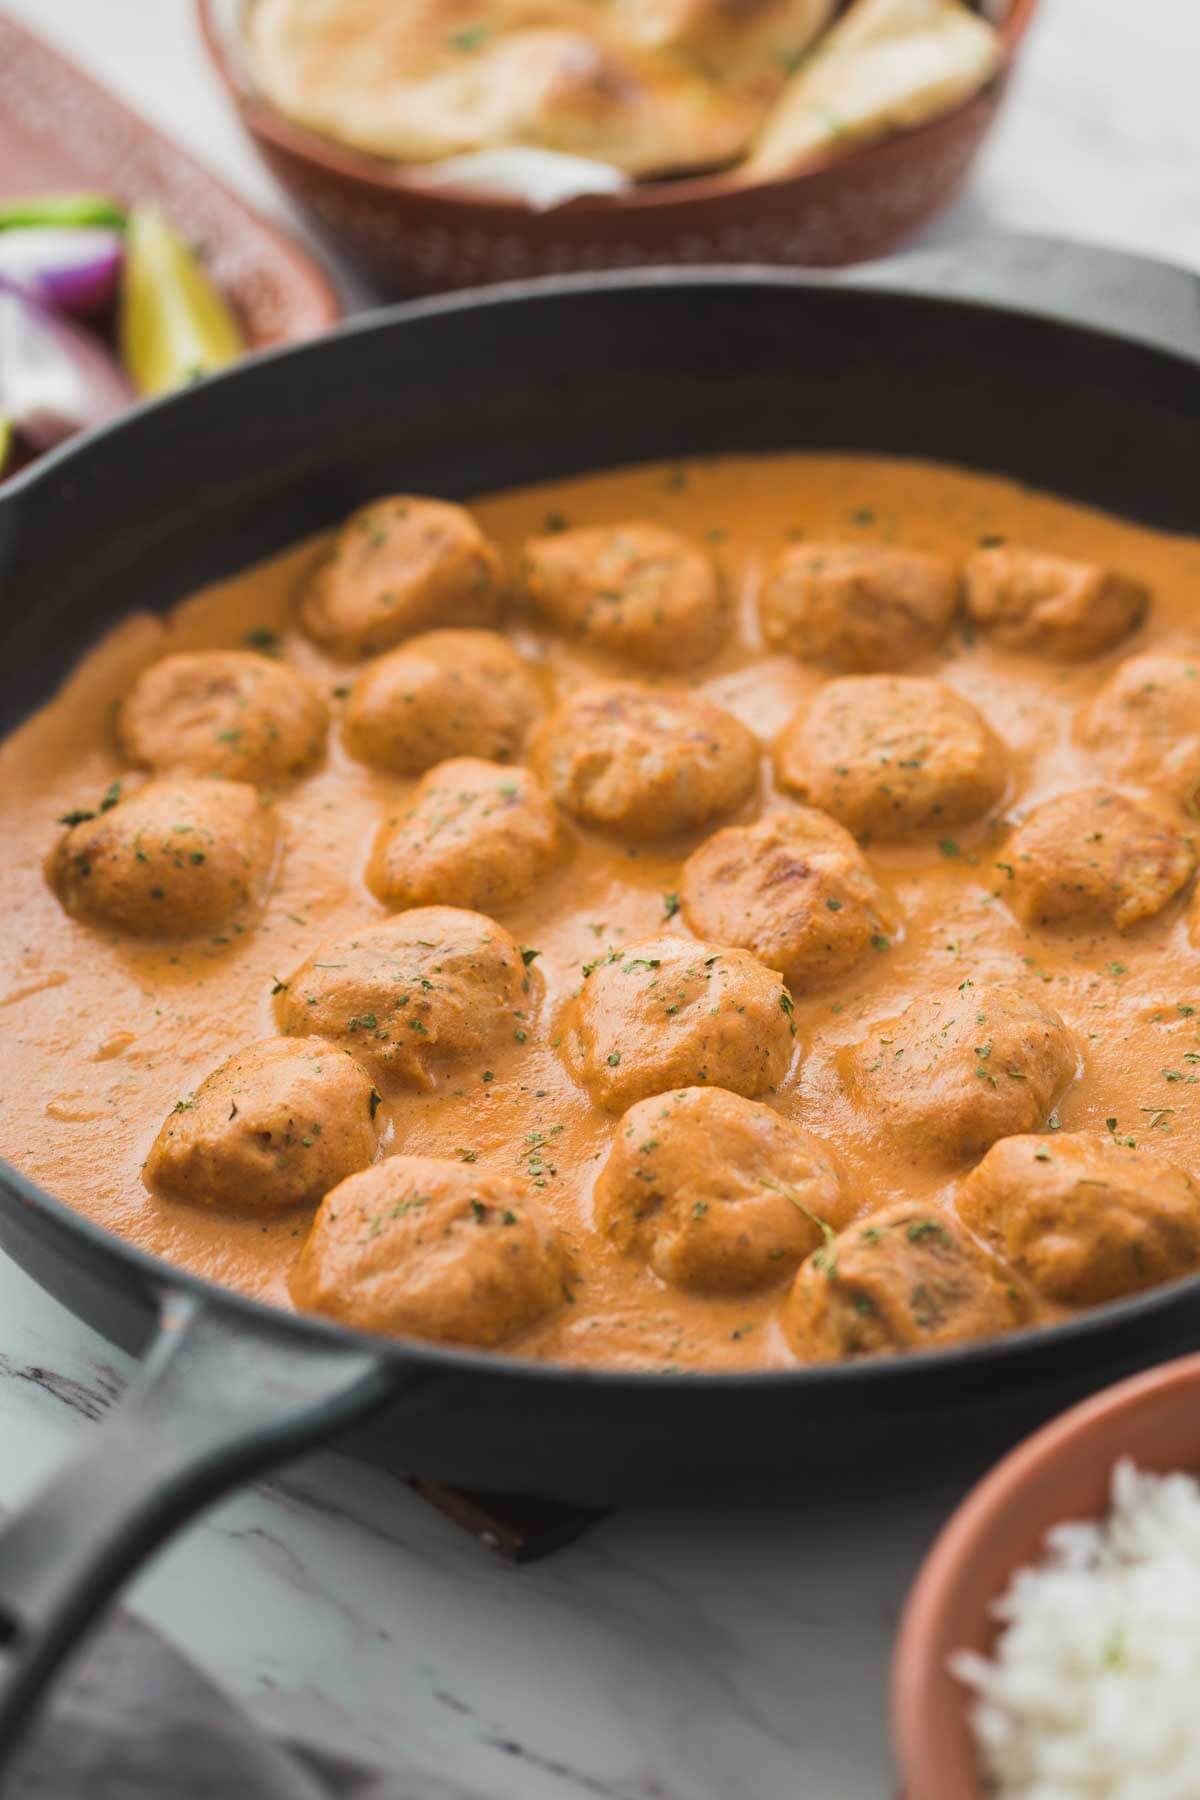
858	607
793	889
645	763
224	712
1144	725
399	566
176	859
671	1013
907	1278
892	756
634	590
418	1247
1082	1217
1051	606
276	1126
718	1193
474	833
1094	859
442	694
959	1069
411	998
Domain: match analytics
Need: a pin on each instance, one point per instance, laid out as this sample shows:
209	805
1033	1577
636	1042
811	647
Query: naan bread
886	64
419	80
738	43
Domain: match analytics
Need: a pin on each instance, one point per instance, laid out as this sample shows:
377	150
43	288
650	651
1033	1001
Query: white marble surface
678	1656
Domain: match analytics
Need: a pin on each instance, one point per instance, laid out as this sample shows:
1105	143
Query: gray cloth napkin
132	1719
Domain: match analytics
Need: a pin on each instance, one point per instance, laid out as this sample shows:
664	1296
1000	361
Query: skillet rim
887	279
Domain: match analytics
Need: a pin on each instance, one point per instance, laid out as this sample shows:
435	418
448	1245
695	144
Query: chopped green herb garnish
472	37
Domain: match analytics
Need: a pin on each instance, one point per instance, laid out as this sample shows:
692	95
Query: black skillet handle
217	1400
1133	296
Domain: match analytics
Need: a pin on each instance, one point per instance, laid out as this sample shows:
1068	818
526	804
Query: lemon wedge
174	326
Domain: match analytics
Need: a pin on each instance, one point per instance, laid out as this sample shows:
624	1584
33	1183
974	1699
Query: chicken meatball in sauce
858	607
276	1126
399	566
794	889
892	757
420	1247
1084	1218
1143	726
720	1194
474	833
959	1069
907	1278
224	712
413	997
173	859
1051	606
634	591
442	694
1095	859
645	762
670	1013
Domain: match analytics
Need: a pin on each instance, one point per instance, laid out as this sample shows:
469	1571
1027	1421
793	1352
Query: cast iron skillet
1078	371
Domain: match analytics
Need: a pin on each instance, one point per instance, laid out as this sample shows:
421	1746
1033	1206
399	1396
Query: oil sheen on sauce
100	1035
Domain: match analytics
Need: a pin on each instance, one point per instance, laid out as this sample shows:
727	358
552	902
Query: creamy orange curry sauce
975	1102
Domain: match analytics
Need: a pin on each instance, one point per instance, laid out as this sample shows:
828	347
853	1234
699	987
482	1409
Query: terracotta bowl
1060	1473
411	241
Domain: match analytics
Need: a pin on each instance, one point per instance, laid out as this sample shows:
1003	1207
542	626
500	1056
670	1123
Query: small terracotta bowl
412	240
1062	1472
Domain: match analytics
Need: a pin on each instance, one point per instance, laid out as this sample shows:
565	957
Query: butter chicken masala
721	916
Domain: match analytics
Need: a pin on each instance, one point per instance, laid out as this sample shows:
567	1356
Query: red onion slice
69	269
55	379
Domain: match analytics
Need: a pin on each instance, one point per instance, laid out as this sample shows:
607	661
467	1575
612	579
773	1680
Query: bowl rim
917	1672
263	120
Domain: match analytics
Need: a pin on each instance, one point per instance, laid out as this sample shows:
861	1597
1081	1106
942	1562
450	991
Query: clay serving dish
60	131
411	240
1060	1473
